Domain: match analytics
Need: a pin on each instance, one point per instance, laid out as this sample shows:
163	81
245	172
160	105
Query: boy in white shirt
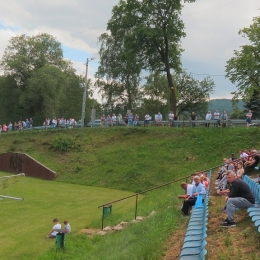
57	225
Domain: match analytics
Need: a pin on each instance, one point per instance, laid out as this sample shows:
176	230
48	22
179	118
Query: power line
201	74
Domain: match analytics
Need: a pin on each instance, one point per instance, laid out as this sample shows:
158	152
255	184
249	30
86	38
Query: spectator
130	119
146	119
198	189
158	118
56	226
176	118
4	128
126	119
251	165
119	118
113	119
54	122
136	119
224	118
188	190
30	123
216	117
27	122
10	127
102	122
248	118
208	117
240	170
171	118
233	157
193	117
239	196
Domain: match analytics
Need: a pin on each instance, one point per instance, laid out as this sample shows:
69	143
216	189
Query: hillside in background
224	104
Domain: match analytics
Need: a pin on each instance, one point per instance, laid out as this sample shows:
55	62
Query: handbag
198	203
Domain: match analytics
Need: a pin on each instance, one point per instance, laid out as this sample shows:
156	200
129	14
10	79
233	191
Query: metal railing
142	192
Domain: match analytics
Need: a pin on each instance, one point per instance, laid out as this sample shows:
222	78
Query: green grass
130	159
25	224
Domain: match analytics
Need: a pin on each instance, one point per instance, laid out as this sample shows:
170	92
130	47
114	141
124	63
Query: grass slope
132	159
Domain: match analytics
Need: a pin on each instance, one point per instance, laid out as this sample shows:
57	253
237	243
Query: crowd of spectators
57	122
28	124
229	183
18	125
130	119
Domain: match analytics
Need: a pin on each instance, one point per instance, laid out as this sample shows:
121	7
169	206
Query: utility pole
85	84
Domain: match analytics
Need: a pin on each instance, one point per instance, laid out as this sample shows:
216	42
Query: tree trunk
172	92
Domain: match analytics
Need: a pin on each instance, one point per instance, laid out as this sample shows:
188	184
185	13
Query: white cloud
211	27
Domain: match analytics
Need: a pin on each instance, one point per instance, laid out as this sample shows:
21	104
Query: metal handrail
142	192
157	187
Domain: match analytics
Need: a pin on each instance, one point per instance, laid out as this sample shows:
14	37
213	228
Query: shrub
66	144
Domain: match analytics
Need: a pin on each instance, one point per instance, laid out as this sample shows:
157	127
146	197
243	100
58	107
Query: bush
65	144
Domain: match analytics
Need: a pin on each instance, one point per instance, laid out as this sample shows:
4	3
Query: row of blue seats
254	212
194	246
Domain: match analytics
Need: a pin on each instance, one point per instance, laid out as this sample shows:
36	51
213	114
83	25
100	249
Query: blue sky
211	25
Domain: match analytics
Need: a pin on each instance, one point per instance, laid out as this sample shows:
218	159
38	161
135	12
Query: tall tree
191	94
244	68
42	77
118	74
151	29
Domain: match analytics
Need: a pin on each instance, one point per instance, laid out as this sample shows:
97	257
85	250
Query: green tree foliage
149	32
118	75
41	82
237	114
254	104
244	68
191	94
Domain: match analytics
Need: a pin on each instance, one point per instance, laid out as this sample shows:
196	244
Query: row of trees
38	82
143	39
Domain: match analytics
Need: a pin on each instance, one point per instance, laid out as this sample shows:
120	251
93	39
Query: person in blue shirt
198	189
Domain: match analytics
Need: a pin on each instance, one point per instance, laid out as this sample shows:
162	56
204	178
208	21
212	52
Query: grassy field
130	159
25	224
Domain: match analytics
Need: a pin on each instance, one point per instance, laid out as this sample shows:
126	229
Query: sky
211	28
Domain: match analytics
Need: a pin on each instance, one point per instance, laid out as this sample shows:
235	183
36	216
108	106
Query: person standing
146	119
216	117
171	118
208	118
224	118
193	117
136	119
248	118
176	118
239	196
